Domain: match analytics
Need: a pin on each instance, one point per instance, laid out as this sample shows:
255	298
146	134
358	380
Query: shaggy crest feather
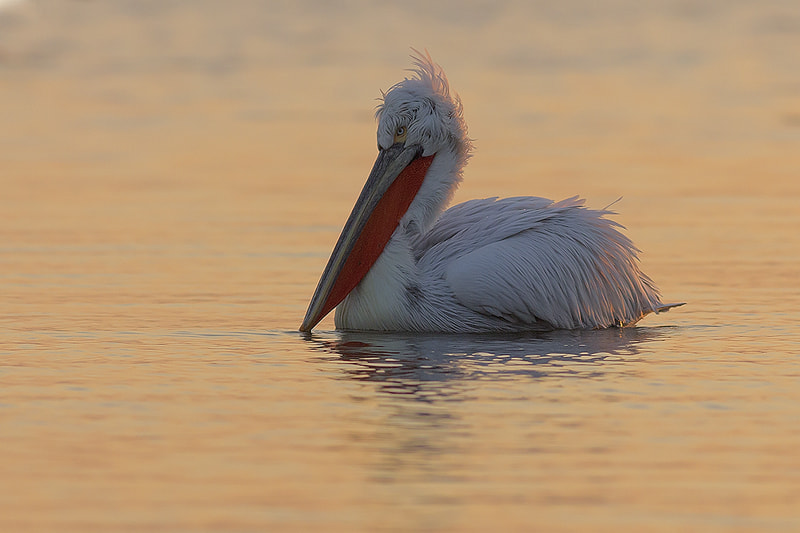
424	104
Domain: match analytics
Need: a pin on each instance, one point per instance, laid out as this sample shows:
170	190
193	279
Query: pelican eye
400	134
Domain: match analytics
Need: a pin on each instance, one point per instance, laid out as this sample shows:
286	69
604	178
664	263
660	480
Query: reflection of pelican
517	264
432	366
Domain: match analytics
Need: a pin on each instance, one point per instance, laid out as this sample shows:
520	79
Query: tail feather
663	308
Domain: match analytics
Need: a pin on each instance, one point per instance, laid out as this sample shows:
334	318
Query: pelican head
420	111
422	149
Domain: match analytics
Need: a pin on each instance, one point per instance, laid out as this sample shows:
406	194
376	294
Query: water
174	175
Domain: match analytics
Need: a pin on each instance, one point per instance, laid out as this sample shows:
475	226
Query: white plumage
516	264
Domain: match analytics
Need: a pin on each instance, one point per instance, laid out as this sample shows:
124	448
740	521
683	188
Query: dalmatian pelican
403	263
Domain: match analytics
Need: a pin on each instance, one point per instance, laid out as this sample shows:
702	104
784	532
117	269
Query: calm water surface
174	175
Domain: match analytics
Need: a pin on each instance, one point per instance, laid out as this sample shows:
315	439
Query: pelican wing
528	260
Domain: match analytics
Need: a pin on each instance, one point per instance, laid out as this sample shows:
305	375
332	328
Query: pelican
403	263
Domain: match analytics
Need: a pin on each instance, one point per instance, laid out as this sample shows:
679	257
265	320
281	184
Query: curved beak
395	179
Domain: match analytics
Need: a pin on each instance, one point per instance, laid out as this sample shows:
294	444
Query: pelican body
403	263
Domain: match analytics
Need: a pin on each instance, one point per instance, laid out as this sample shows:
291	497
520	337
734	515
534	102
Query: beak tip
309	322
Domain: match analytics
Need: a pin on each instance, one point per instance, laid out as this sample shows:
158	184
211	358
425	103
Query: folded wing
529	260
